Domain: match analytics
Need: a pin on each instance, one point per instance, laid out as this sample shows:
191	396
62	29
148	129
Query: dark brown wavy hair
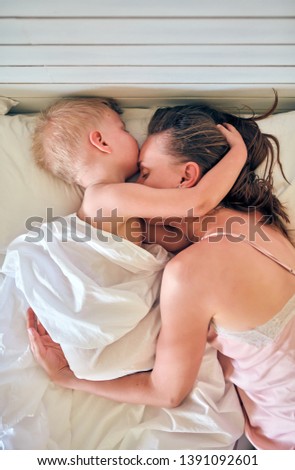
192	135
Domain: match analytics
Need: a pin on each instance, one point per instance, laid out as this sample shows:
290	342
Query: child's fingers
228	131
224	131
226	127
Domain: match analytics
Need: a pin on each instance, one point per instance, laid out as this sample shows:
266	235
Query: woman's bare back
244	287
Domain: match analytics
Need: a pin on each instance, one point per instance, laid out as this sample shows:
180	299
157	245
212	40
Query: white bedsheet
99	299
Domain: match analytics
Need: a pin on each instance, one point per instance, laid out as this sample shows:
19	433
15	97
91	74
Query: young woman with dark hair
234	287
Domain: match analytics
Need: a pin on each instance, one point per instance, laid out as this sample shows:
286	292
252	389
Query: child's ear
191	175
97	140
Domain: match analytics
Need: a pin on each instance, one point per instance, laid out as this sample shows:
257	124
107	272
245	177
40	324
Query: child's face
124	146
157	168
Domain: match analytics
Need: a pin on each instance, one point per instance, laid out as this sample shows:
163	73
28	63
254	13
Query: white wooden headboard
149	52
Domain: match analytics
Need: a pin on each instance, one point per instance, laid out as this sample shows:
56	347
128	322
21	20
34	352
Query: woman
211	289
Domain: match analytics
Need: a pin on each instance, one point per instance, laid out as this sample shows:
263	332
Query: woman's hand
232	136
47	353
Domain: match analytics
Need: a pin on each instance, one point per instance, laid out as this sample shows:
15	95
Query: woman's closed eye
144	175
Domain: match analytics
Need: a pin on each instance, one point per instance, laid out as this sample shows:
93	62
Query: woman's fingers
34	322
37	347
31	318
41	329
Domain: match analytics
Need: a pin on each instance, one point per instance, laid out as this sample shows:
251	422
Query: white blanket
97	295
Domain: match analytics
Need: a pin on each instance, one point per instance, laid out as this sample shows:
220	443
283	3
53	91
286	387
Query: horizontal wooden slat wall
230	53
147	31
142	8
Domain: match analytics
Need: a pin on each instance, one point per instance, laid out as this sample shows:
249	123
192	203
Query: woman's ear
97	140
191	175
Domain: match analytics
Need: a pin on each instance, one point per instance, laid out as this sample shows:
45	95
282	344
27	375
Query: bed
35	414
146	54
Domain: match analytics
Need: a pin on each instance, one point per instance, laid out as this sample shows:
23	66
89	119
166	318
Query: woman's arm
179	350
132	200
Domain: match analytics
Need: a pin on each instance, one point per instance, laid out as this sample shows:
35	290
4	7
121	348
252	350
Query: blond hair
59	135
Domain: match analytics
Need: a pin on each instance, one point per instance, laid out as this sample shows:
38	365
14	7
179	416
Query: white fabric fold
97	295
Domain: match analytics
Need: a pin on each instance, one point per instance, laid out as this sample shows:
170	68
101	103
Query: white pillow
283	127
27	191
6	104
136	120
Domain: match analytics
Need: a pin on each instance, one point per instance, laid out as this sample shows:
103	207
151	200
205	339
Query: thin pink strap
256	247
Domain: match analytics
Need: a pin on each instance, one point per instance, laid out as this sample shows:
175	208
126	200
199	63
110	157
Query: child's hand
232	135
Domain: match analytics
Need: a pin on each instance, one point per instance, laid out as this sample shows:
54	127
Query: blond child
234	288
84	141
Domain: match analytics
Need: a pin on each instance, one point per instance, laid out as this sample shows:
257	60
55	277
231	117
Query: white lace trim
266	333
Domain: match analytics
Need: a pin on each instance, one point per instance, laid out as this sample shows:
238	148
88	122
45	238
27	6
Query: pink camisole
261	363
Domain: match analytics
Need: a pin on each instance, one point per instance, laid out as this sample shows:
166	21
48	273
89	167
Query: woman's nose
140	180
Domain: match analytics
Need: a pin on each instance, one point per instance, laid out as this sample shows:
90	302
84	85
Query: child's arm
132	200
